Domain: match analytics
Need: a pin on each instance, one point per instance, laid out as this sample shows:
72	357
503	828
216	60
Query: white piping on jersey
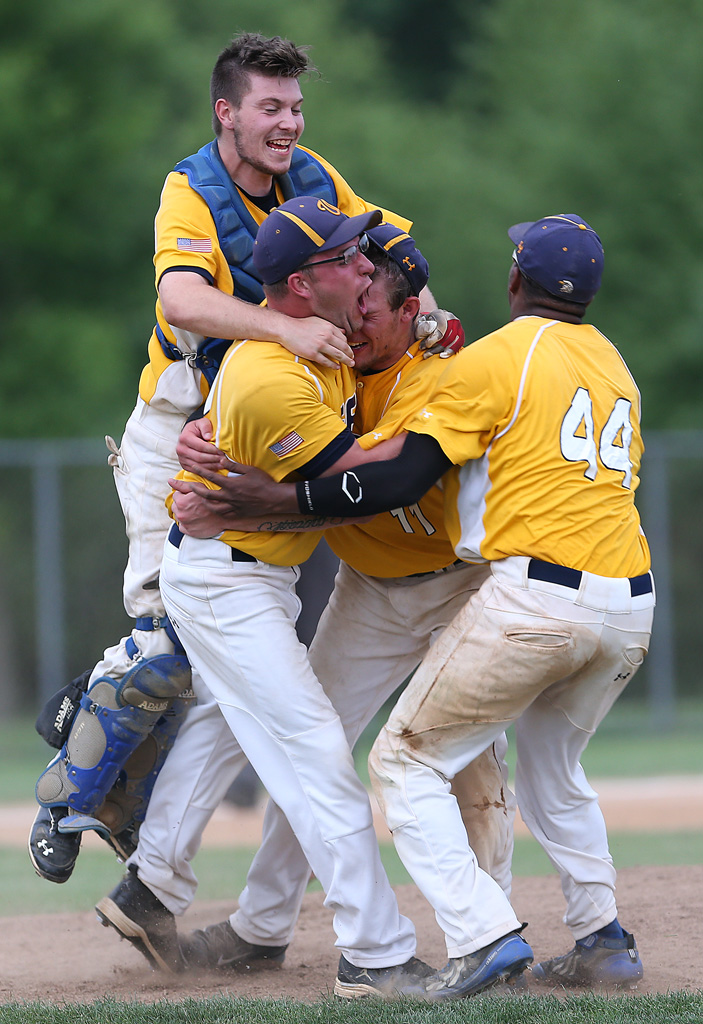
409	356
520	390
216	391
474	481
316	379
390	394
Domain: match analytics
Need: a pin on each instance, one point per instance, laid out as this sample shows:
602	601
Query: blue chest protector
236	229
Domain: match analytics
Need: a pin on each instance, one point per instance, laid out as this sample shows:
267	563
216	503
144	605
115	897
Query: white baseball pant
236	620
142	466
552	659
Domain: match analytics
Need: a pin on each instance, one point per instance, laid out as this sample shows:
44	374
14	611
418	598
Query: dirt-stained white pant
236	620
553	660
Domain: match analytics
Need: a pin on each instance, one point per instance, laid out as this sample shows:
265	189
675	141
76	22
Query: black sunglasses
346	257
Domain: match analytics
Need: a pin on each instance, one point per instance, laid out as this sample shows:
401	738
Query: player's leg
361	653
562	810
482	672
487	806
142	466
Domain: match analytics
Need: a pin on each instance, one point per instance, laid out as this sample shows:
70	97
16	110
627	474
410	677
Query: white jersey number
401	514
578	439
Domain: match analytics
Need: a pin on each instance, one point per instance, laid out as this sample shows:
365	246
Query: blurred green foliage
466	117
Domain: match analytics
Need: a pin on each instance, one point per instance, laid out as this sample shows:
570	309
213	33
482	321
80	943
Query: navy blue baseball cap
401	247
562	254
301	227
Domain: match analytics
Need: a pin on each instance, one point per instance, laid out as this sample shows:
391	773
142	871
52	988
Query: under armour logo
44	847
411	266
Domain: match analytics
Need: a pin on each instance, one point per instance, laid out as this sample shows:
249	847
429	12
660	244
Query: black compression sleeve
377	486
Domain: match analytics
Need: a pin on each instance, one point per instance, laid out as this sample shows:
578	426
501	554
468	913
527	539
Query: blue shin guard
113	721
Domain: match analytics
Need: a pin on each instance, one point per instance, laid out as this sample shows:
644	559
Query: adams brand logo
67	708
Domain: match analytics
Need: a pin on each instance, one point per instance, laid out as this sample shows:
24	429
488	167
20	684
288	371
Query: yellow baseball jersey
406	540
184	219
542	419
276	411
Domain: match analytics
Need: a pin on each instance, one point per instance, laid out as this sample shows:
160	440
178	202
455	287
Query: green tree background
465	115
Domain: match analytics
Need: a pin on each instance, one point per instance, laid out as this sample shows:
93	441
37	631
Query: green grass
676	1008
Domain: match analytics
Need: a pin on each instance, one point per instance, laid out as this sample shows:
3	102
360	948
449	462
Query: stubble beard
258	165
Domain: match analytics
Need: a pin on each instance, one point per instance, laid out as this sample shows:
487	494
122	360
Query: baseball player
538	425
208	293
232	602
395	591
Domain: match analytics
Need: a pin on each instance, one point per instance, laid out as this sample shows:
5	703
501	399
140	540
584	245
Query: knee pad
125	806
113	720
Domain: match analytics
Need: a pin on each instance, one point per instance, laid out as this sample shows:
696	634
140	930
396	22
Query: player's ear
225	113
299	284
514	280
410	309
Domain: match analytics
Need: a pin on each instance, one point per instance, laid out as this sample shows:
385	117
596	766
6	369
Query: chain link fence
63	550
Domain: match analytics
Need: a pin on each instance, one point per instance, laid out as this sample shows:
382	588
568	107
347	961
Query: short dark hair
250	51
397	284
538	295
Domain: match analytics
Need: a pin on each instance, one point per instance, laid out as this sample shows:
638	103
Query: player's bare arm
203	518
191	304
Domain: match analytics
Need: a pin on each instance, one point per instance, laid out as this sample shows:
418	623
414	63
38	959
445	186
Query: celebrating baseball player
395	593
232	602
537	427
208	293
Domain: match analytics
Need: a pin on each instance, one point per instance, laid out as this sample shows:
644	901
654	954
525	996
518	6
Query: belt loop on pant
175	537
565	577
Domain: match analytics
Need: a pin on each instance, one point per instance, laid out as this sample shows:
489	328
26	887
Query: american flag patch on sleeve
195	244
287	444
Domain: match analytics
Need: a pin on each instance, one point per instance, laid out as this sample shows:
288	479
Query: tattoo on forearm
306	523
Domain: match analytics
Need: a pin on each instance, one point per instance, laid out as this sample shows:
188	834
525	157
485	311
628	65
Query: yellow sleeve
186	235
352	204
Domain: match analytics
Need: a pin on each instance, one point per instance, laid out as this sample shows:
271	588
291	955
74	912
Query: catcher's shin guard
113	720
124	808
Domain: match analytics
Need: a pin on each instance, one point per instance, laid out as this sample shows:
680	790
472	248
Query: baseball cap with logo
401	247
562	254
300	228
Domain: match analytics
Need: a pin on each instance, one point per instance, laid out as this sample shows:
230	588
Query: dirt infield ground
71	958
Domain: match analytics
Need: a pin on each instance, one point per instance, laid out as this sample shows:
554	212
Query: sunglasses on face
346	257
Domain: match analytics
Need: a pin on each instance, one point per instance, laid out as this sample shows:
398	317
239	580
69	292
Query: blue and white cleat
501	961
595	960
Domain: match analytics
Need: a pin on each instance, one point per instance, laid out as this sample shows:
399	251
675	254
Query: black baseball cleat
408	980
133	911
218	947
52	853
